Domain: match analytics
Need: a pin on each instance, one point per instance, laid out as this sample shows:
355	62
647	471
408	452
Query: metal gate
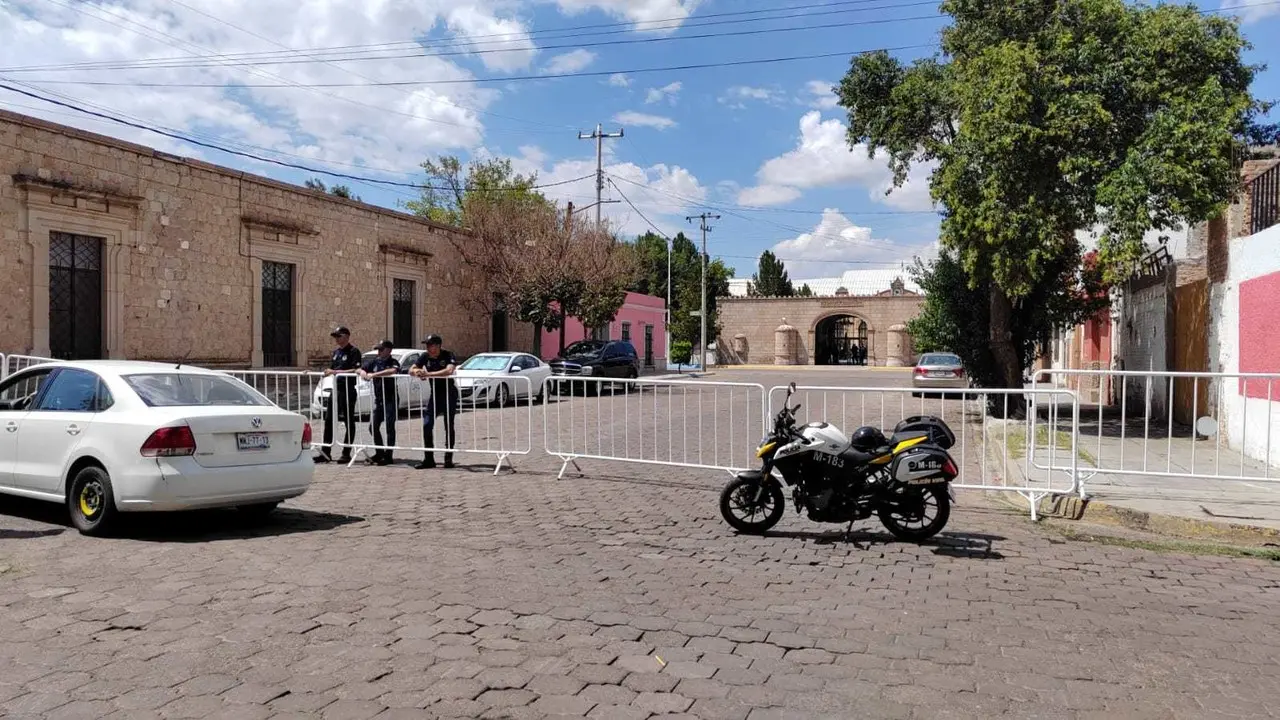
402	292
841	340
75	296
277	314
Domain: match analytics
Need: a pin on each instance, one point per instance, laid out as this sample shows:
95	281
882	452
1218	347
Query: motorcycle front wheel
919	514
739	507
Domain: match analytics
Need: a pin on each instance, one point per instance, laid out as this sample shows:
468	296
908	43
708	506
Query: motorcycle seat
855	457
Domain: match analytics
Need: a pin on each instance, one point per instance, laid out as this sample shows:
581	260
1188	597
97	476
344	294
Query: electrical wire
260	158
574	32
510	78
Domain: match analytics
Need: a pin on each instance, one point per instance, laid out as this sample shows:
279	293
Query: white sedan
497	378
106	437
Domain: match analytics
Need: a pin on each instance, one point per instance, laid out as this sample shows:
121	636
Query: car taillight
306	435
919	371
170	442
959	372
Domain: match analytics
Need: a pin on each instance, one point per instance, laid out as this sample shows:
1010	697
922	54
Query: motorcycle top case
940	433
920	465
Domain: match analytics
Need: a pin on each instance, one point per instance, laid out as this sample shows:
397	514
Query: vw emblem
256	422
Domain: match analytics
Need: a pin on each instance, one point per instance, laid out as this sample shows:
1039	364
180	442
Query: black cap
384	345
340	330
433	339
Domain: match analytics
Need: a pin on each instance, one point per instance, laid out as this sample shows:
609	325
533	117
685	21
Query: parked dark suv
597	359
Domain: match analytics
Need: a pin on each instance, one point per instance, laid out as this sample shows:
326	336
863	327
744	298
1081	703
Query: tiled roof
857	282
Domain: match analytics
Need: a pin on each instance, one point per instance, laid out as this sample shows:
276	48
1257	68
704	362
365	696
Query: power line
259	158
468	51
574	32
637	210
510	78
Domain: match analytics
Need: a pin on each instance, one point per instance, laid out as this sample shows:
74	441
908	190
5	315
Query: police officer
437	366
381	370
343	364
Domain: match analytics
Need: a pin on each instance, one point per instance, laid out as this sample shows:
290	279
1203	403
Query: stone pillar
899	350
741	348
784	344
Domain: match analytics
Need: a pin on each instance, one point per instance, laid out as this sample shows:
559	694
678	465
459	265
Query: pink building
641	322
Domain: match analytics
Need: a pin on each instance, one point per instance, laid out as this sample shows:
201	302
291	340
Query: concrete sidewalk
1186	486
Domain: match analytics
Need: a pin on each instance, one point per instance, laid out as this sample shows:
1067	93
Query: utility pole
599	136
703	218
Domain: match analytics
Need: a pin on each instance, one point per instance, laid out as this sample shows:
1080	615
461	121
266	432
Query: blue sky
761	145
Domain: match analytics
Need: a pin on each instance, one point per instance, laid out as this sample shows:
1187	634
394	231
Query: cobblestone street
402	594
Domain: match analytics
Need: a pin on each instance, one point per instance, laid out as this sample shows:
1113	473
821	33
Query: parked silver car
939	371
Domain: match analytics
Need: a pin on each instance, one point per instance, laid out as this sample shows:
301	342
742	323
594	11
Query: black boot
448	460
428	462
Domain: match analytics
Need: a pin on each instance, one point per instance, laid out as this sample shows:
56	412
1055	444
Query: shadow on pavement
190	526
975	546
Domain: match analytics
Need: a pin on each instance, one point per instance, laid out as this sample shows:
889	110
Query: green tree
804	291
341	191
450	189
1048	116
771	278
686	278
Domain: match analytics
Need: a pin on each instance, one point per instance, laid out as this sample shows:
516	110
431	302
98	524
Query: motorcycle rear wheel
915	527
740	494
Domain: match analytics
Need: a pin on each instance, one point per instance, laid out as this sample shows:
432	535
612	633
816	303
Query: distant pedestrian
381	370
343	364
437	366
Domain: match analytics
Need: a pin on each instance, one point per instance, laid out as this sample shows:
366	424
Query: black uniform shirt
382	386
439	386
345	358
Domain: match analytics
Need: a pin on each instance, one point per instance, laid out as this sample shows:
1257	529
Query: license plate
253	441
939	373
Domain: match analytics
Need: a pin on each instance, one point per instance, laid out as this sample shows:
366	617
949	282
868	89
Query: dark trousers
385	411
344	402
449	409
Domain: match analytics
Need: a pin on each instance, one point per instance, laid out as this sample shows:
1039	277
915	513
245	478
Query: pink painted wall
638	311
1259	339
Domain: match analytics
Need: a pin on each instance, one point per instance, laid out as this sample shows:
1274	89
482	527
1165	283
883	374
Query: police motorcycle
904	479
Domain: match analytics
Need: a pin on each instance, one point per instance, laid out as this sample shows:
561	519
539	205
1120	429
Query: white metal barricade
1183	425
14	363
295	391
1003	452
680	423
482	425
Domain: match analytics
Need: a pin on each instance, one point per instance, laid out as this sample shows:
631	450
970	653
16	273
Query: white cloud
378	127
619	80
738	96
509	37
663	193
639	11
767	195
822	158
658	122
836	244
819	95
570	62
1251	11
666	92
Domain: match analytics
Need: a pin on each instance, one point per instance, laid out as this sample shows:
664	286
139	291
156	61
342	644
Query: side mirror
515	369
792	387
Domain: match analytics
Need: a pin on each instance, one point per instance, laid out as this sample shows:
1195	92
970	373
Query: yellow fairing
905	444
765	450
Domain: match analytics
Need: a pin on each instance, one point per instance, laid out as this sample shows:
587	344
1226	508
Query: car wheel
503	397
258	512
90	501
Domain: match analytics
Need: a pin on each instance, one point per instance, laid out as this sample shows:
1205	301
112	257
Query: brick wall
757	318
186	240
1234	223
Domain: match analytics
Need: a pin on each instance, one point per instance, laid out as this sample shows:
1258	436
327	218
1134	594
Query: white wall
1250	257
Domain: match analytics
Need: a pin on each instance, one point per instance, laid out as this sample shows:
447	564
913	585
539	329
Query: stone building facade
116	250
748	325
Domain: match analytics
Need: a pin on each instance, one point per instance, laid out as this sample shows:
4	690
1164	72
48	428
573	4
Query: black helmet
433	339
868	438
384	345
340	331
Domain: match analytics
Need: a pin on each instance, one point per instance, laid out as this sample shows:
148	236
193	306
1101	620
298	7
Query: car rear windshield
940	359
486	362
191	390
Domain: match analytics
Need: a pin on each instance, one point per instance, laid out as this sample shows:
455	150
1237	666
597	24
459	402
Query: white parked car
320	397
106	437
490	378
